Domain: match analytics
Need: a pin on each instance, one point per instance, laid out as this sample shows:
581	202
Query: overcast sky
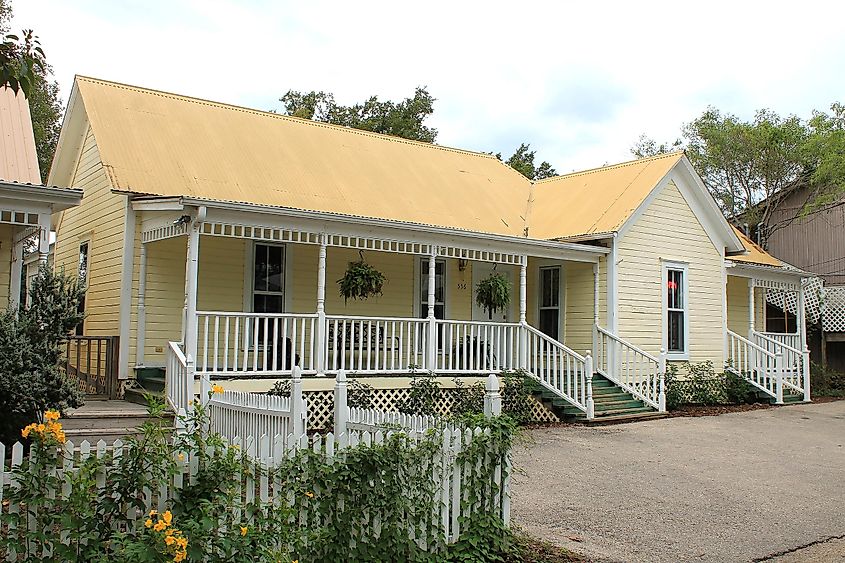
579	81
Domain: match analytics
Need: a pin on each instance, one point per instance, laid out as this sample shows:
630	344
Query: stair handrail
178	384
574	386
793	361
646	383
752	373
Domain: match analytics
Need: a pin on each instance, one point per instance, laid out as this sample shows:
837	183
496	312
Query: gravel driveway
736	487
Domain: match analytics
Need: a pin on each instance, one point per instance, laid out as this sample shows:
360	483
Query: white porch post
17	272
595	309
523	306
141	333
661	397
589	369
321	348
44	237
801	318
751	309
432	322
190	327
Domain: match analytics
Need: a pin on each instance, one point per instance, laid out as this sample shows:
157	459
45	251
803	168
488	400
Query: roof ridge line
609	167
289	118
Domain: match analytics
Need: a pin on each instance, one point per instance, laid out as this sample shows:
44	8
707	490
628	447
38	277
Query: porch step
611	404
107	420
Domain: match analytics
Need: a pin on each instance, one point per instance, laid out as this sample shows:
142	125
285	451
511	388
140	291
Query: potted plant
360	281
493	293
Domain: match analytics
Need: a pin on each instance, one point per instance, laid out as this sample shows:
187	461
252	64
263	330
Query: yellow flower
168	517
51	415
309	494
25	432
180	556
182	542
160	525
244	530
148	523
217	389
169	540
153	512
181	457
40	428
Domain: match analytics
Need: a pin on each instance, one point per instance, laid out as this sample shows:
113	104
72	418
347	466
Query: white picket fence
234	413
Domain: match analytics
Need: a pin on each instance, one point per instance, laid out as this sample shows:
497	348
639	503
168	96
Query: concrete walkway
735	487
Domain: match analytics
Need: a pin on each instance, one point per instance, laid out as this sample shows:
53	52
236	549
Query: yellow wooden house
215	235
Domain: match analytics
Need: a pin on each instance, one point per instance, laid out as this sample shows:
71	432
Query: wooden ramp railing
92	360
631	368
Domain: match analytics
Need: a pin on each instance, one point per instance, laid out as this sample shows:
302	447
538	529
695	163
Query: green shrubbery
368	504
31	380
826	382
701	385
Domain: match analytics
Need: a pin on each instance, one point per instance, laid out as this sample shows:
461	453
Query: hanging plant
360	281
493	293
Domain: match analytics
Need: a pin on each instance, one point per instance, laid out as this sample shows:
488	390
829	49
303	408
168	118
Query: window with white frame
676	316
550	301
268	279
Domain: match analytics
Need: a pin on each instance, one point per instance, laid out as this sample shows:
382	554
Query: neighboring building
813	241
26	206
216	233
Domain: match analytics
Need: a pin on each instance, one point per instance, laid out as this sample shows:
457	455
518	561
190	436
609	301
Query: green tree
403	119
31	380
749	165
45	105
522	160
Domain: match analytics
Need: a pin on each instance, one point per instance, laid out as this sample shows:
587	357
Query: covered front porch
260	300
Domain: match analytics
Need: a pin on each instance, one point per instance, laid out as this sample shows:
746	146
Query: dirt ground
761	485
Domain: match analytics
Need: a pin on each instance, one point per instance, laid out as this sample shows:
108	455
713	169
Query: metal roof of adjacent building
18	158
756	254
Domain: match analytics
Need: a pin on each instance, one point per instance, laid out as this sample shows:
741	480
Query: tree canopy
749	165
522	160
402	119
23	66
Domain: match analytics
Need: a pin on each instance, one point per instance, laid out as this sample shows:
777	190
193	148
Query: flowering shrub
373	502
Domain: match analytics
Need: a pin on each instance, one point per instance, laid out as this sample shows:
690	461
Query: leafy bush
703	386
517	400
825	382
737	390
359	394
31	380
467	399
366	505
423	396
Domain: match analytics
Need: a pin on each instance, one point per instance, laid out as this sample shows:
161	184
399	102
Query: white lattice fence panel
321	406
788	300
833	316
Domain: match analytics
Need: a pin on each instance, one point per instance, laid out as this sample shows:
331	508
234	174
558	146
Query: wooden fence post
492	397
298	412
341	408
779	365
805	370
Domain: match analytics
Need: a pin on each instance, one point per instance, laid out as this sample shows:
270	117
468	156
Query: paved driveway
735	487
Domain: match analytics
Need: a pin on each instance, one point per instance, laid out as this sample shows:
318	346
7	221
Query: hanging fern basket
360	281
494	293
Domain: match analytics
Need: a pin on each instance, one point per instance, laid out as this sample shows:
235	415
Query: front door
482	270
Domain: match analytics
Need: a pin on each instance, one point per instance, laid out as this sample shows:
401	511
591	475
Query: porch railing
375	344
795	361
476	346
631	368
93	362
560	369
258	343
755	364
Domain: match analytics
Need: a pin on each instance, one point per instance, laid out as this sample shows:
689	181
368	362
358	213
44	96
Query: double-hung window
550	301
676	316
268	279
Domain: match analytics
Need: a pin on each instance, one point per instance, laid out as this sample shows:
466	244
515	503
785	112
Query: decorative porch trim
17	217
163	232
778	285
